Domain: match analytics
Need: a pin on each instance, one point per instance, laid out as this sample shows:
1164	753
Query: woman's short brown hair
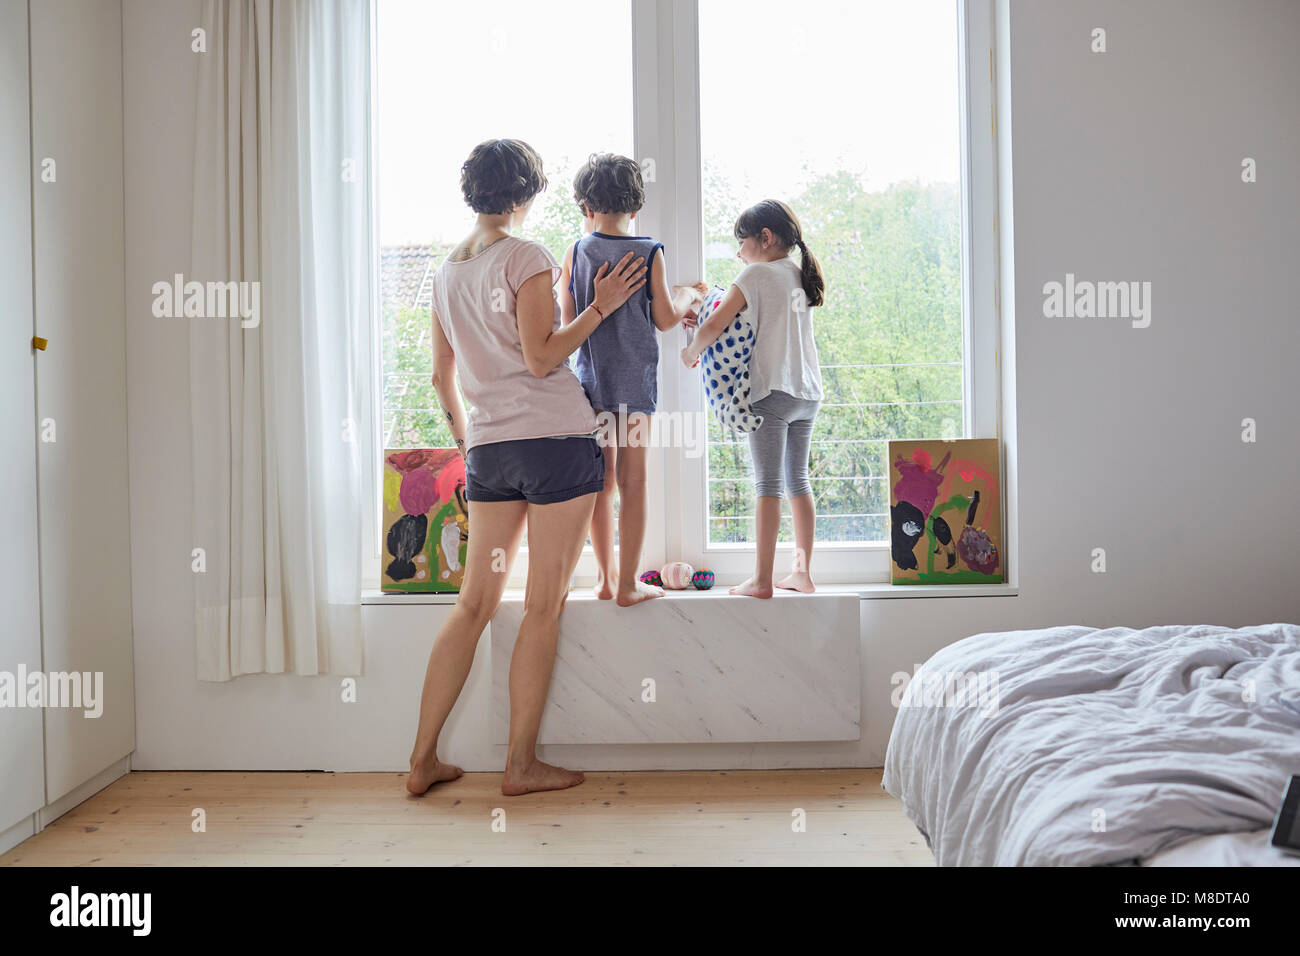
501	174
610	184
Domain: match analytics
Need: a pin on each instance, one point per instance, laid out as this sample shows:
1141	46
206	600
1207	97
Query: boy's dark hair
501	174
609	184
780	219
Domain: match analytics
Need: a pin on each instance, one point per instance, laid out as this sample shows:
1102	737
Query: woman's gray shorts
542	471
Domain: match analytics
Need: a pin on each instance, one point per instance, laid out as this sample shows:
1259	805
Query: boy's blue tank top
618	363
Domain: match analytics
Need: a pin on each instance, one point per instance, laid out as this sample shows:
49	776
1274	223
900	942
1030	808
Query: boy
617	364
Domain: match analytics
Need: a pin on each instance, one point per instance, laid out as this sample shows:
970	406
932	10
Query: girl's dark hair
610	184
780	219
501	174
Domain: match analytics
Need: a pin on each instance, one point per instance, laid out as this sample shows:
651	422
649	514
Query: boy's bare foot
538	776
749	589
423	776
640	591
603	589
797	581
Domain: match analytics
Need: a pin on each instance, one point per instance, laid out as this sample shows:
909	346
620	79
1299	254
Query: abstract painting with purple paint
945	512
426	520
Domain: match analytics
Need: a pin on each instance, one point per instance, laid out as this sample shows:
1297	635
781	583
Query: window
859	114
437	97
857	128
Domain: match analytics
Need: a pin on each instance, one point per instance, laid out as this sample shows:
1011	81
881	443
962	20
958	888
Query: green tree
889	337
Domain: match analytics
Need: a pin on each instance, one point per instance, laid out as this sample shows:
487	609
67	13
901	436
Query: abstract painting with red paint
426	520
945	512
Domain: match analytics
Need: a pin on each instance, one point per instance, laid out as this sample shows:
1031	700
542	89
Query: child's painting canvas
945	512
426	520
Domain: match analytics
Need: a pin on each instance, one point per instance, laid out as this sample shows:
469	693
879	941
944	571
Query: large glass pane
849	112
451	75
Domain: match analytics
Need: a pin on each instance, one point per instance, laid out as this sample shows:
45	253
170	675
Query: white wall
159	84
1126	167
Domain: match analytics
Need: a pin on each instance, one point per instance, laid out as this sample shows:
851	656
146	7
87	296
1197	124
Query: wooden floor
327	819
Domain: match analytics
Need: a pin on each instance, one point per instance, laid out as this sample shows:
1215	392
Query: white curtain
280	409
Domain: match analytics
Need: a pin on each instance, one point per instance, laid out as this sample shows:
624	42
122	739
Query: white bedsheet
1099	746
1245	848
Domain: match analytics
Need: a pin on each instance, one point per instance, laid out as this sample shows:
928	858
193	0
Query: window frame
666	129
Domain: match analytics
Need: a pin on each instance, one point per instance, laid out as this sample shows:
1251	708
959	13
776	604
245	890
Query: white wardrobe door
76	70
21	755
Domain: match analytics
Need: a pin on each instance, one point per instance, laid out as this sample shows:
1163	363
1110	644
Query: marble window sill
866	592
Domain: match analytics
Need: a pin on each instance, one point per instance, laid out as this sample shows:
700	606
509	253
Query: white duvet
1073	745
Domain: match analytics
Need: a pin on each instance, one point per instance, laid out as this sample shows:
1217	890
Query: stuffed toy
676	575
725	367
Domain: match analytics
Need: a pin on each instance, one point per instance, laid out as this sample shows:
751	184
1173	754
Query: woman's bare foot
749	589
797	581
538	776
423	776
603	589
638	592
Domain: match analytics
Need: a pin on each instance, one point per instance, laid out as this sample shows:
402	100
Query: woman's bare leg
495	532
632	513
602	526
556	533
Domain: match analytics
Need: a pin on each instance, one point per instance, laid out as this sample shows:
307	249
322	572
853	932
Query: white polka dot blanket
725	367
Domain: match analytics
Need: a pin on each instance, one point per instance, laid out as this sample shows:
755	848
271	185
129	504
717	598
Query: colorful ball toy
652	578
702	579
676	575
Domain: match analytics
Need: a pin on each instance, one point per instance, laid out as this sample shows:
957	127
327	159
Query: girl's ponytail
810	270
780	219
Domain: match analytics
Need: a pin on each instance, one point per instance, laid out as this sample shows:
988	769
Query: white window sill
866	592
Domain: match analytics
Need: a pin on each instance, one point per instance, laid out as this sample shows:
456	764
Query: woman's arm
546	347
732	303
568	308
444	384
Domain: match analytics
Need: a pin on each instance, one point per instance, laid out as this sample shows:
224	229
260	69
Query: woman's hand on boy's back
615	286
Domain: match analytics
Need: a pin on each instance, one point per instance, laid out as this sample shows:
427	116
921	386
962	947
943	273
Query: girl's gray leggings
779	447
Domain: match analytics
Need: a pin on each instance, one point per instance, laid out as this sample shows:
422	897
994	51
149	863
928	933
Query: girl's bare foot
637	592
425	775
604	590
749	589
538	776
797	581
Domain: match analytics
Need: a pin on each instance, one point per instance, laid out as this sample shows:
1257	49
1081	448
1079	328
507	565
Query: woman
531	457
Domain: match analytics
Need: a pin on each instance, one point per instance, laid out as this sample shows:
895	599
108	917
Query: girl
778	297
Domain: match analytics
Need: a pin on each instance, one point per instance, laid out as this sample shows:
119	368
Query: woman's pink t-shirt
475	303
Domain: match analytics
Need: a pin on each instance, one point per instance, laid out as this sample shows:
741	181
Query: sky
788	90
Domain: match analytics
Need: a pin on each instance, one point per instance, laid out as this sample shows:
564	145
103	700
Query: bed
1074	745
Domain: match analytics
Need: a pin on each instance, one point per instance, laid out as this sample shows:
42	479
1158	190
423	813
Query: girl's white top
785	354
